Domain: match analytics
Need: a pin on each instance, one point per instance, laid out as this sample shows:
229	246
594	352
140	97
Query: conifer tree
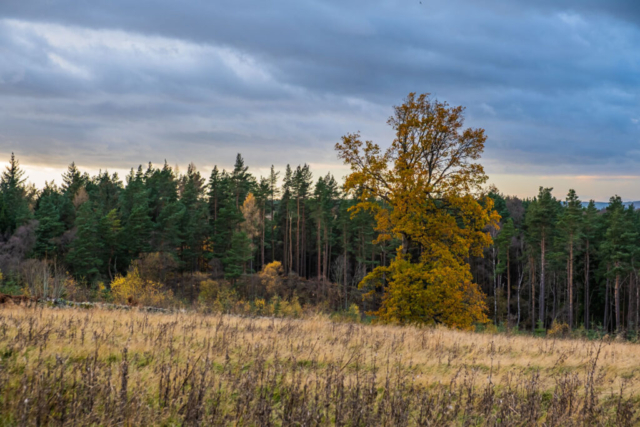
110	230
50	227
15	203
541	221
570	227
274	192
590	229
138	226
195	227
503	242
86	248
236	258
617	249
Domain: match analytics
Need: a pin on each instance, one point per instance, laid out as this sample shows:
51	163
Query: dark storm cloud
555	83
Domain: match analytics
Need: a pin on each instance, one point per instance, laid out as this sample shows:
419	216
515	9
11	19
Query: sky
111	84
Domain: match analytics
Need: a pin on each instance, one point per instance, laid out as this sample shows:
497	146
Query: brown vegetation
69	366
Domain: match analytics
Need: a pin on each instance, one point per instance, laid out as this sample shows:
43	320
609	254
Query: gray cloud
113	83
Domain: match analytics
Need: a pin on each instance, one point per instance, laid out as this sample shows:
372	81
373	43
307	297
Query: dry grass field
98	367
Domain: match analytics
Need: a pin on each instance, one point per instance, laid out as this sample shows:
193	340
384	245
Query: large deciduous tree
425	189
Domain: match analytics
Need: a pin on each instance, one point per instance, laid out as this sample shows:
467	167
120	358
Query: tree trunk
606	303
273	230
508	284
541	316
263	235
290	243
344	266
630	326
532	291
405	244
587	298
298	237
616	295
495	287
571	284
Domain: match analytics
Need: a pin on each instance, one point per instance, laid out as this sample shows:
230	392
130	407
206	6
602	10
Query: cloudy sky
115	83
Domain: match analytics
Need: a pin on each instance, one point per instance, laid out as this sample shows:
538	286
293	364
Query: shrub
271	277
291	308
225	300
559	329
259	306
133	289
208	291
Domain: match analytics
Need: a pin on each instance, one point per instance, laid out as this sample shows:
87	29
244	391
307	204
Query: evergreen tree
274	192
617	249
50	227
236	258
86	248
195	221
243	182
541	221
570	228
113	242
138	226
503	243
590	229
15	202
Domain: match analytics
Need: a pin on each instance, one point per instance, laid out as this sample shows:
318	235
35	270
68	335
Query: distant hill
602	205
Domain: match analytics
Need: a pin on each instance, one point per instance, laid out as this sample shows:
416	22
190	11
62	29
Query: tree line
412	235
562	260
229	226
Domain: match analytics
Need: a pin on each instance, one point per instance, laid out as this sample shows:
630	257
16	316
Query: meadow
113	367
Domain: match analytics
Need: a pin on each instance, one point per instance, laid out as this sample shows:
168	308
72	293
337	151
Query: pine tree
50	227
274	192
243	182
570	227
195	222
285	216
236	258
617	249
138	226
111	235
590	229
503	242
226	217
84	255
541	221
15	202
104	191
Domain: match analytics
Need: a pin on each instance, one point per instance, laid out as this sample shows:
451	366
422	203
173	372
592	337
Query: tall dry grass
83	367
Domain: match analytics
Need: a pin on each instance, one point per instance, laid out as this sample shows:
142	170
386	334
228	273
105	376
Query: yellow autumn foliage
133	289
426	190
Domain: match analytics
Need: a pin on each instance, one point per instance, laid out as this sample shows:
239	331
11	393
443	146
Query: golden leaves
425	189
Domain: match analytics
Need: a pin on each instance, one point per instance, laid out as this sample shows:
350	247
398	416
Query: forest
235	241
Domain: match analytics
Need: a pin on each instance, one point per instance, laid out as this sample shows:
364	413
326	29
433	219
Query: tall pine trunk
319	249
508	284
532	291
541	314
264	209
344	266
587	298
298	237
571	283
616	296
